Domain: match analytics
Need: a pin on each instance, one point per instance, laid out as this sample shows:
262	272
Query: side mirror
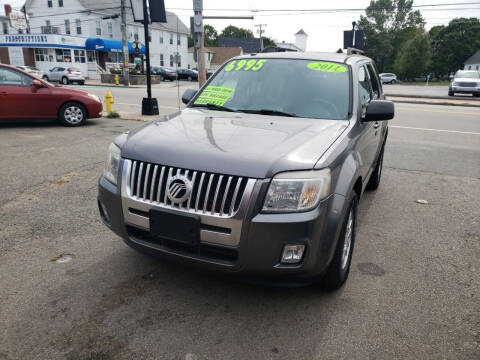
37	84
188	95
379	110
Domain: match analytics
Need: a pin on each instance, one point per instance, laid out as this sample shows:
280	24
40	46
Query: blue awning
109	45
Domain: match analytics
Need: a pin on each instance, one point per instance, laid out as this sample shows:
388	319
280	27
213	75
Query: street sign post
17	19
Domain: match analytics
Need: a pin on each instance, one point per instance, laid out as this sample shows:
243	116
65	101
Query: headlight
112	163
297	191
94	97
454	84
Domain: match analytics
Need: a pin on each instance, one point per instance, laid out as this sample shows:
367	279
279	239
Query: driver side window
14	78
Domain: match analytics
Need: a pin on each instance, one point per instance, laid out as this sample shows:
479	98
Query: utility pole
125	51
260	31
199	40
149	104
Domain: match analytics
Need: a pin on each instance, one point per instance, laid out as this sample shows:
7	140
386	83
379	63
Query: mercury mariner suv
261	174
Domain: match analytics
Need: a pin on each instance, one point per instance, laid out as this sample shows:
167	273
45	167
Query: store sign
50	40
24	39
17	20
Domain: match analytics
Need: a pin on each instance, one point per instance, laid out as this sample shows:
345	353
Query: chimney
301	40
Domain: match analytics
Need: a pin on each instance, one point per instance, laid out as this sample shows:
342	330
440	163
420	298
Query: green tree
268	42
236	32
453	44
211	35
414	57
387	25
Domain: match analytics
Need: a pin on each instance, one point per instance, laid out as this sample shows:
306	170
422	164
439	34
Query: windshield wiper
268	112
215	107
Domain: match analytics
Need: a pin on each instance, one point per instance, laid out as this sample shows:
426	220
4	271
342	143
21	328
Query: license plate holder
169	225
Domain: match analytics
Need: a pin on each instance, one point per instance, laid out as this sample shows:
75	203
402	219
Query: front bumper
465	89
257	253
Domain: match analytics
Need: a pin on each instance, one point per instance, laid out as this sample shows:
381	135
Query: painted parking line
435	130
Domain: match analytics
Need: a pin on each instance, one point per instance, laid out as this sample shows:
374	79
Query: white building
473	62
299	45
73	33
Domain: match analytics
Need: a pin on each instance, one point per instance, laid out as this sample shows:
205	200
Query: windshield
468	74
299	88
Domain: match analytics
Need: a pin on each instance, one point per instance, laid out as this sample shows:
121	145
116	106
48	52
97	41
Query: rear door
57	73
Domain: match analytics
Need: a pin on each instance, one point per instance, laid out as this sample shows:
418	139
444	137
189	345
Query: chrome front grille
467	84
212	194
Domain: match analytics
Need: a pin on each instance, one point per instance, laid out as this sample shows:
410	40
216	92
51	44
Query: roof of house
248	45
474	59
222	54
301	32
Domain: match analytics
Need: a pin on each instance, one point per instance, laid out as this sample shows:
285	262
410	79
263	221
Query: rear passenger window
374	81
364	87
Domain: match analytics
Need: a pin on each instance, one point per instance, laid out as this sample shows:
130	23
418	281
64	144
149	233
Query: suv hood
250	145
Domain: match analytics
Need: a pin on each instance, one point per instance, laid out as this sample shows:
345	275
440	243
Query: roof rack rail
352	51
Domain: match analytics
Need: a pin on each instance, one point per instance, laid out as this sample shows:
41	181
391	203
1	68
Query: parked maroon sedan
23	96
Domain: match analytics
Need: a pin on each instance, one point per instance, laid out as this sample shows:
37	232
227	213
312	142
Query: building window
47	22
171	39
171	60
161	38
78	25
114	57
50	3
98	27
135	36
41	54
161	59
63	55
79	56
67	26
178	39
90	56
60	3
110	29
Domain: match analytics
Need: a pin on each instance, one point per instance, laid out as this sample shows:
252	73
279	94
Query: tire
45	77
72	114
450	93
81	82
393	82
376	176
65	80
476	95
339	268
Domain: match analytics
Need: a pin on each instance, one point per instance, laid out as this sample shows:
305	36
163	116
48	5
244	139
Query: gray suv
261	175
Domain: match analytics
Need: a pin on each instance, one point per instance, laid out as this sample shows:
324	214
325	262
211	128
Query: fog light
292	254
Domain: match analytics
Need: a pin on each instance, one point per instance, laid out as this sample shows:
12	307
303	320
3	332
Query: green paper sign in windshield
215	95
327	67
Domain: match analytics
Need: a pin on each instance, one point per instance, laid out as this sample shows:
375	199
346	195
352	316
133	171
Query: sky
325	30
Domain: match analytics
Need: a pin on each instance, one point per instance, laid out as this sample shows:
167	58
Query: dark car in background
261	175
164	73
23	96
187	74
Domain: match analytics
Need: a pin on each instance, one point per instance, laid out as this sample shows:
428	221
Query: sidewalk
434	101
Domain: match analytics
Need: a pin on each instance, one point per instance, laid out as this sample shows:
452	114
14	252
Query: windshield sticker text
245	65
215	95
327	67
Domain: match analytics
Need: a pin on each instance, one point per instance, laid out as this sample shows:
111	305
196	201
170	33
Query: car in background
65	75
465	82
187	74
23	96
164	73
31	70
388	78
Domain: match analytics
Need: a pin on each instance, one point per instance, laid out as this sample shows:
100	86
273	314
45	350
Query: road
423	90
413	291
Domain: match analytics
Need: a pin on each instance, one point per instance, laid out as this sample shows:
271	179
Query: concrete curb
425	101
450	98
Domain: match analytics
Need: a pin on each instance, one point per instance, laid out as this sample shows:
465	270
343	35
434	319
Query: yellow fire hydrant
117	80
109	101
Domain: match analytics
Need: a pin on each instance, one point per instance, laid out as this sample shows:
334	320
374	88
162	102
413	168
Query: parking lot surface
70	289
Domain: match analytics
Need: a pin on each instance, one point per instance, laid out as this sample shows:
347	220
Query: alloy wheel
347	242
73	115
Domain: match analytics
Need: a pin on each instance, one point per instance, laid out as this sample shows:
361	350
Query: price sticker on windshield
216	95
245	65
327	67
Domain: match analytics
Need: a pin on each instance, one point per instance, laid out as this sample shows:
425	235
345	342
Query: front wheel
45	77
393	81
450	93
72	114
339	268
64	80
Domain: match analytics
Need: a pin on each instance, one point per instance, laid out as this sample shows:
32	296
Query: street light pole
149	104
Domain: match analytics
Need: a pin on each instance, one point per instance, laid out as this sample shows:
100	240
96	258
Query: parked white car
65	75
388	78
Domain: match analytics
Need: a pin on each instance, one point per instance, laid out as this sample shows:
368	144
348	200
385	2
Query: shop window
171	39
41	55
50	3
63	55
90	56
60	3
115	57
79	56
67	26
78	25
171	60
98	27
161	59
161	38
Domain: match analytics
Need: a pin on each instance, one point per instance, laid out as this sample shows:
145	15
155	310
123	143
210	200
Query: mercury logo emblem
178	188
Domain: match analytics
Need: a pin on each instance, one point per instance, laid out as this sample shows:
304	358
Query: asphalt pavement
71	289
430	91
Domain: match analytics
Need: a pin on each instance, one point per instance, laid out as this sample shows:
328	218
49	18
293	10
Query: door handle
376	125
